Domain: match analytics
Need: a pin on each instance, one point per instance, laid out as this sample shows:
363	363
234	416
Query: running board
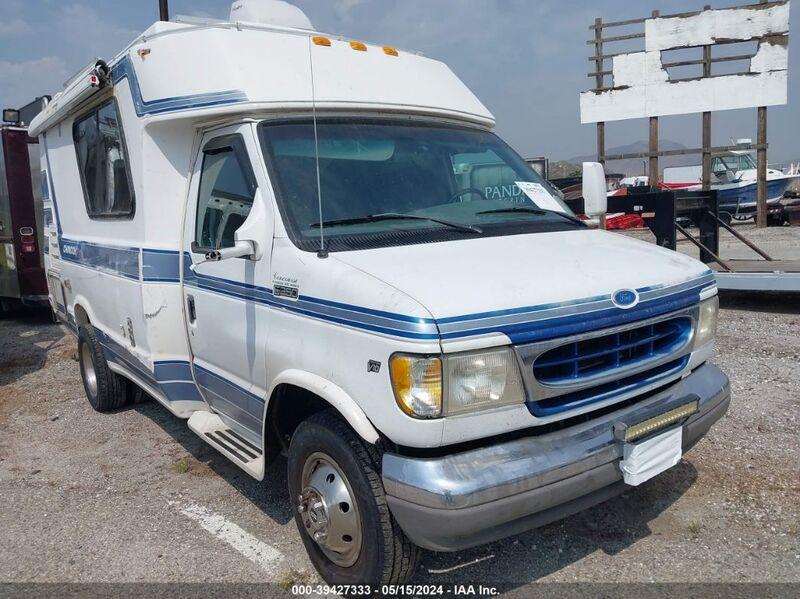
210	428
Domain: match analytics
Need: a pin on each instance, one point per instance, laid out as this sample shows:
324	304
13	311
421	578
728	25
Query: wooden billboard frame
707	150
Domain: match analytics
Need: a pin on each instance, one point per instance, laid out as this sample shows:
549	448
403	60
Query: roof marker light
321	41
390	51
360	46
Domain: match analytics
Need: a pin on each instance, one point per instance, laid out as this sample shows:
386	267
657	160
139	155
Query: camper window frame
94	109
235	143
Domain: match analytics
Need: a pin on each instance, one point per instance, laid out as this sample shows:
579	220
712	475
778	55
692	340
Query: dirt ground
135	496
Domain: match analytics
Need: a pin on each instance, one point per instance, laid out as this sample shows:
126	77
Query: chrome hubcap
89	372
328	510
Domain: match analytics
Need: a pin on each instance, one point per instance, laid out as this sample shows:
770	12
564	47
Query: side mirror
595	190
242	249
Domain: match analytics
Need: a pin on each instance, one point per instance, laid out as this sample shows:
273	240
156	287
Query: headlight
417	383
482	381
468	382
707	322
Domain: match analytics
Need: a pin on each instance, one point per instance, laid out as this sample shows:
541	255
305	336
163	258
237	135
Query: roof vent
270	12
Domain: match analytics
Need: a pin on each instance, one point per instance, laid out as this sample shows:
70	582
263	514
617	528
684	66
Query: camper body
442	368
22	276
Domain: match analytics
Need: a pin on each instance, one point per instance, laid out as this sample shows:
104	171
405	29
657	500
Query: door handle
191	309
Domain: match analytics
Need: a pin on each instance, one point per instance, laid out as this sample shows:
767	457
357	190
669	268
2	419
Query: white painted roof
180	70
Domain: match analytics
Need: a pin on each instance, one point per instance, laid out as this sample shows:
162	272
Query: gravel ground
88	497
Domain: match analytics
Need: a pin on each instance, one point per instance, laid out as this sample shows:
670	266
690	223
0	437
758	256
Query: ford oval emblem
625	298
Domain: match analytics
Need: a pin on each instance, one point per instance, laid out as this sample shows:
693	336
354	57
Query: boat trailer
668	214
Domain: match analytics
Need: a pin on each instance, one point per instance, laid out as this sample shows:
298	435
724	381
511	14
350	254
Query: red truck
22	274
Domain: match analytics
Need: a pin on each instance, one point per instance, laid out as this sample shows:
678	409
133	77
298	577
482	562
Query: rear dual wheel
340	507
105	389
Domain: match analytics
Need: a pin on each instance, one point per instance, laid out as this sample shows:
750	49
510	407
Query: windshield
733	162
390	183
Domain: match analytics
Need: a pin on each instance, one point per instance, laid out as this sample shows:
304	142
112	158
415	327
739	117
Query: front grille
576	399
581	360
563	375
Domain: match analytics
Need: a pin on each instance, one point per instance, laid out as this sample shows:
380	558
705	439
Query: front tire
340	507
105	390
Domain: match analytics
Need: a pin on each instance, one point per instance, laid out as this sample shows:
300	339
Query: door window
227	188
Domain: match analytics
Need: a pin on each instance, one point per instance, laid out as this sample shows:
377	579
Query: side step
210	428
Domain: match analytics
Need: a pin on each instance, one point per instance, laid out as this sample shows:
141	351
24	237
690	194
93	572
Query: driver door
225	301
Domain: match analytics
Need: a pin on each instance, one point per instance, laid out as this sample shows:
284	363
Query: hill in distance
631	167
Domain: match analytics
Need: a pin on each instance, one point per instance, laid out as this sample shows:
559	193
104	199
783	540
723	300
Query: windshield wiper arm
538	211
373	218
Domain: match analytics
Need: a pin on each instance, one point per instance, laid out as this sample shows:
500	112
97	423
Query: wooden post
706	121
761	216
601	143
599	81
653	173
653	169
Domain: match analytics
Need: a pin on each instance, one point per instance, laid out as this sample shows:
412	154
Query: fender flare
331	393
80	300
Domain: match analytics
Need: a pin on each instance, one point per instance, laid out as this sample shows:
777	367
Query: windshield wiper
538	211
374	218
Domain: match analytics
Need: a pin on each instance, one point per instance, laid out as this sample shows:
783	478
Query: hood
532	286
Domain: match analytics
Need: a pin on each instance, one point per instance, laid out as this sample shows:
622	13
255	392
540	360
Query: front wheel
340	507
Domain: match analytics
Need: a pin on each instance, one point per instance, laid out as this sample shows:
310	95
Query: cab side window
227	189
103	163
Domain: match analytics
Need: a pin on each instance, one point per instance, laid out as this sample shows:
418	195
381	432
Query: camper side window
226	196
102	161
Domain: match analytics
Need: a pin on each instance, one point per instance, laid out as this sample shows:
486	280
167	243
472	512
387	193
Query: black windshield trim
375	218
537	211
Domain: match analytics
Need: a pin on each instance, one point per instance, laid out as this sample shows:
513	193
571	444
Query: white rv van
312	246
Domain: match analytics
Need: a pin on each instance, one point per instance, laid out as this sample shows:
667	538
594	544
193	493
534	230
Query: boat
734	177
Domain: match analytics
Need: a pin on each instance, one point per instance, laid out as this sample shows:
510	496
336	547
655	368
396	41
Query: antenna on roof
163	9
323	252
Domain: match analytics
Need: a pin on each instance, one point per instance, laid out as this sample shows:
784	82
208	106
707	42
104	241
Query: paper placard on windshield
539	195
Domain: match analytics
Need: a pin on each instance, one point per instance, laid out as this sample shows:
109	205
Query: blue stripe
566	304
379	313
124	69
116	260
404	327
515	311
176	370
162	266
173	378
521	325
180	391
580	323
244	407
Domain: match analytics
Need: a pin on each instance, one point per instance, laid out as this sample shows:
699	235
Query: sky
527	60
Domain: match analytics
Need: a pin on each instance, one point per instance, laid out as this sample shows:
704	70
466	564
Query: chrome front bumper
478	496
